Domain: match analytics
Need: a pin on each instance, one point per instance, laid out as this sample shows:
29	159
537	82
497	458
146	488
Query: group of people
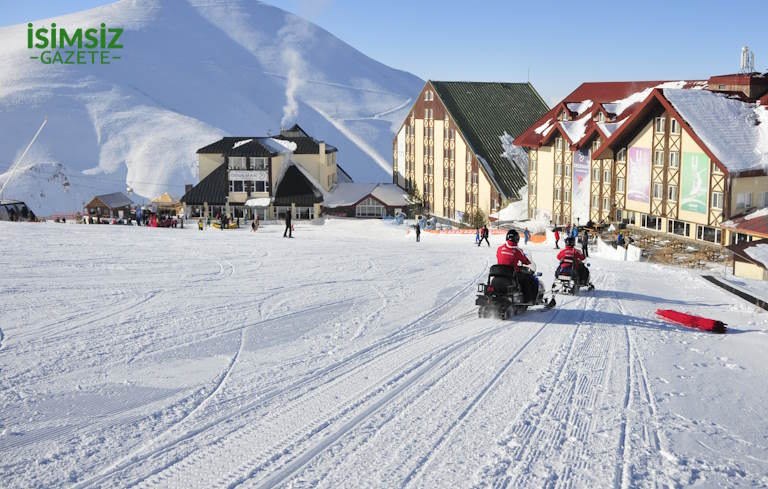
571	261
573	233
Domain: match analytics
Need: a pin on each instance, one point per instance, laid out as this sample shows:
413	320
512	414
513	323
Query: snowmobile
503	296
567	280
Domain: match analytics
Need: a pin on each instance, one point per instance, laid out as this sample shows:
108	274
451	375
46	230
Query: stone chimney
322	148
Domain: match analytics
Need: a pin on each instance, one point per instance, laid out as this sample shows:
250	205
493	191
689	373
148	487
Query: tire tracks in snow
424	325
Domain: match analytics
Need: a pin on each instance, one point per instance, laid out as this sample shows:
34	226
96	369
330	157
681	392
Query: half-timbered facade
449	147
673	157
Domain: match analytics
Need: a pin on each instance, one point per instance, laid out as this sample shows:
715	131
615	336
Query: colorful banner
581	185
693	185
639	175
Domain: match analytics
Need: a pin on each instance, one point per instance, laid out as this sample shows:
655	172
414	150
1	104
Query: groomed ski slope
352	356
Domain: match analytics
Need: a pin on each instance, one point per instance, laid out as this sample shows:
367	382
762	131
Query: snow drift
191	72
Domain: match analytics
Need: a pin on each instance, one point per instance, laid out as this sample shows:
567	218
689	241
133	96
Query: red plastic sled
690	321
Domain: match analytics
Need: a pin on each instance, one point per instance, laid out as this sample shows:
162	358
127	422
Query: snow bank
630	253
735	131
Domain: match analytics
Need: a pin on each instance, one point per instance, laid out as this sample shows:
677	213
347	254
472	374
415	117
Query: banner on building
639	175
581	185
694	182
401	157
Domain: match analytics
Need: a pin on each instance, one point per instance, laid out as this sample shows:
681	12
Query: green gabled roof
484	111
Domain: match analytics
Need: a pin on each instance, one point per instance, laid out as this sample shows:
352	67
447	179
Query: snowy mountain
190	71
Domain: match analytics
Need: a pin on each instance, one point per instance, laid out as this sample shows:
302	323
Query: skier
288	227
527	235
418	232
573	259
484	236
256	221
200	224
585	244
510	255
557	238
620	240
253	226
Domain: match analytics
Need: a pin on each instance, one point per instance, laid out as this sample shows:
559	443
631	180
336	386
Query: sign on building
694	185
639	175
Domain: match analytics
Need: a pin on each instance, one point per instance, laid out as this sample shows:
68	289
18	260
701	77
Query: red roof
756	225
598	93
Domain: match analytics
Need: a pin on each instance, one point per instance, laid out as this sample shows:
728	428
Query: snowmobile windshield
531	266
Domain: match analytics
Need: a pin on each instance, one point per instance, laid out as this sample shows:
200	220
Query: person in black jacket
288	228
484	236
585	243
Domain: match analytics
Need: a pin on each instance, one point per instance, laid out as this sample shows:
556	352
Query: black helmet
570	241
513	235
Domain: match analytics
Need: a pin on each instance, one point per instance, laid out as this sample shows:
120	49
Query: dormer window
563	116
659	124
600	117
558	143
674	127
622	155
429	96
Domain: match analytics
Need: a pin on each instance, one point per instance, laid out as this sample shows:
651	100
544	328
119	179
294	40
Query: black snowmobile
567	279
503	295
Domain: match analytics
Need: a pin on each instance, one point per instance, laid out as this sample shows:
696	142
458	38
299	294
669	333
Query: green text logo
56	45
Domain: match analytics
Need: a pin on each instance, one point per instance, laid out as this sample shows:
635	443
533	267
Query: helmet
513	235
570	241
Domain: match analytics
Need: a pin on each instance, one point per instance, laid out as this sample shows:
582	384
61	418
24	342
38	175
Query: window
567	195
370	207
567	170
595	145
650	222
563	116
559	169
595	201
620	184
596	174
429	96
622	155
600	117
236	186
717	200
744	200
474	178
659	124
679	228
237	163
260	163
558	143
606	175
762	199
658	157
259	186
606	203
428	113
706	233
558	194
658	190
674	127
672	193
674	159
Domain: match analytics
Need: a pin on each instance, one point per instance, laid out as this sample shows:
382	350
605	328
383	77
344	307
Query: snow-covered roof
542	128
240	143
115	200
735	131
580	107
619	106
346	194
278	145
391	195
610	127
577	128
758	253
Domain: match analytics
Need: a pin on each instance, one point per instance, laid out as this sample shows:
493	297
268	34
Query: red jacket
509	254
570	254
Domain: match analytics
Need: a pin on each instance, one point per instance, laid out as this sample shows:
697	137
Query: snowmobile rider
510	255
572	258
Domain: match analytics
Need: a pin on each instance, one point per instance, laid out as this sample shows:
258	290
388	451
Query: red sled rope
691	321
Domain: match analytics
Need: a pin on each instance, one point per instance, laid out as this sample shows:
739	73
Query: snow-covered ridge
138	122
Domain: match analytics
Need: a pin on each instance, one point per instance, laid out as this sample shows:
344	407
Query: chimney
187	188
322	147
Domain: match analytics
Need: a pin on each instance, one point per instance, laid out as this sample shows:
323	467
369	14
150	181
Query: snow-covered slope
191	71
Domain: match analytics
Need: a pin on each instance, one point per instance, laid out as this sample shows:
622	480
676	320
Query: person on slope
484	236
572	261
288	227
510	255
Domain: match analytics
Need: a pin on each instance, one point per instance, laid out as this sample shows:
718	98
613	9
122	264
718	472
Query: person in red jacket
557	238
572	260
510	255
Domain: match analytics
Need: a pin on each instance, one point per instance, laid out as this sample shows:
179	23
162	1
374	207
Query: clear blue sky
562	43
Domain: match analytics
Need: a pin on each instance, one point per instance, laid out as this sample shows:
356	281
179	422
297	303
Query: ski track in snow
339	360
